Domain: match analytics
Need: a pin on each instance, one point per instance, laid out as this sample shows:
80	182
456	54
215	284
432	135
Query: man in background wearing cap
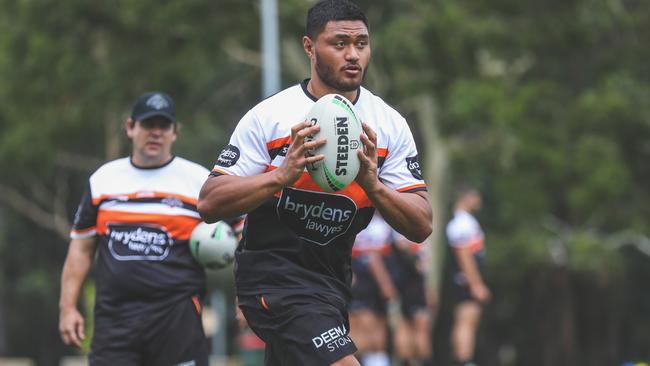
139	212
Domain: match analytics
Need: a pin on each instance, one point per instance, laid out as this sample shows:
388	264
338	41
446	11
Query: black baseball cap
153	104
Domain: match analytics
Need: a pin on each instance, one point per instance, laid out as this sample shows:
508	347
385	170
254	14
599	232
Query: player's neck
463	208
146	162
317	88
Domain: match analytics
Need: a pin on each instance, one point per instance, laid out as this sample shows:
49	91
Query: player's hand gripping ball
213	245
341	128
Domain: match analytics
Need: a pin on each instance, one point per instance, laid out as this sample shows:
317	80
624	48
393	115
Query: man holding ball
292	269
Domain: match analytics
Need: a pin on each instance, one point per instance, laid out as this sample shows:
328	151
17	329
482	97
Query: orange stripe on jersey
179	227
415	247
197	304
215	169
475	245
277	143
82	231
384	251
264	304
353	191
382	152
413	186
144	194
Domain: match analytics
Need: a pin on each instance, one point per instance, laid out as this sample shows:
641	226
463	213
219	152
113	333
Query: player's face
152	140
341	54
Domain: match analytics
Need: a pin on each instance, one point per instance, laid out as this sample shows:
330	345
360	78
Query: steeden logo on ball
341	128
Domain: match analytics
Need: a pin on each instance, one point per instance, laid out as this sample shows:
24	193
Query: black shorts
412	293
171	337
298	330
409	282
366	294
460	289
461	293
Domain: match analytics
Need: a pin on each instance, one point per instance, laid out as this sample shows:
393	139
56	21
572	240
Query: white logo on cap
157	101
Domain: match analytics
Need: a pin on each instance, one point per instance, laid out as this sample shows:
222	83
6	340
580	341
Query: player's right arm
75	269
226	195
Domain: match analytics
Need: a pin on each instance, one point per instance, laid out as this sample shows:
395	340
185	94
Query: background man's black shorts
298	329
412	294
366	294
165	337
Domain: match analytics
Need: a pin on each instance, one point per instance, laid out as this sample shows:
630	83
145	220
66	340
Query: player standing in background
372	288
467	241
139	211
292	271
409	264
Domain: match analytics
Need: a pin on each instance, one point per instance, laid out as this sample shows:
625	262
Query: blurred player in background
466	239
372	288
139	212
409	264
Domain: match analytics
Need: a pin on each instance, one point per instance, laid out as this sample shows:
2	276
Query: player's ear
177	128
308	46
128	126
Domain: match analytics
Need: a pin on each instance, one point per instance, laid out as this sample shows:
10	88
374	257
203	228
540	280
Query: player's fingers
298	127
370	146
79	331
64	337
300	135
75	341
314	144
314	158
372	135
363	158
70	338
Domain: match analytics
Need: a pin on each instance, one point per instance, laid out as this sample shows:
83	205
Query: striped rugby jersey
143	218
464	231
302	236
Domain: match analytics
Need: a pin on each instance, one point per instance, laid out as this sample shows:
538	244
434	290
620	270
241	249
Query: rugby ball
213	245
341	128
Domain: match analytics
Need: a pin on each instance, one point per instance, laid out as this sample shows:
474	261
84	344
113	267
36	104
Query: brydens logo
228	157
127	242
316	217
332	338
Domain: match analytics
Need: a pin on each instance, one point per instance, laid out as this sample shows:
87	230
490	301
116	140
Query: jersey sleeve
85	219
459	233
246	153
401	168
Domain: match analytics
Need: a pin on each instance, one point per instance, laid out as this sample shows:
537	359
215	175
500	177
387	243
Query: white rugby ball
213	245
341	128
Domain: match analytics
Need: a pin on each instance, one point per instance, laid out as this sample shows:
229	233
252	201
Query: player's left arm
407	212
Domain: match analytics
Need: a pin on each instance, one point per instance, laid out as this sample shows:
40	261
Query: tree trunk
435	161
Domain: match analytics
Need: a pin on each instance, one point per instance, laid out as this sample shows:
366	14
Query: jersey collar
304	83
150	167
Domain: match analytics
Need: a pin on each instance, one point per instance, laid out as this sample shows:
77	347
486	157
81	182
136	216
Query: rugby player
292	270
466	239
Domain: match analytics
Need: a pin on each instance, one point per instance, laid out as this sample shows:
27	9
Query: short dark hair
331	10
464	190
